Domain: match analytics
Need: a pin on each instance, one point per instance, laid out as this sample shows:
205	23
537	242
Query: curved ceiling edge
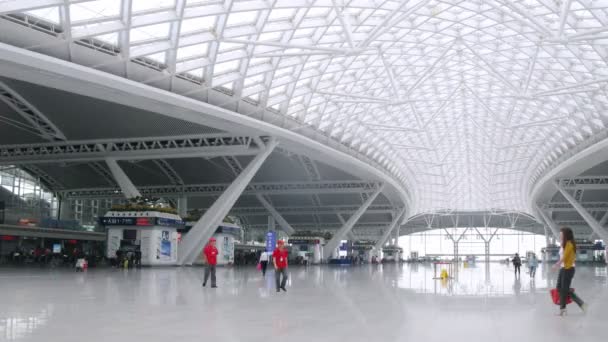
45	70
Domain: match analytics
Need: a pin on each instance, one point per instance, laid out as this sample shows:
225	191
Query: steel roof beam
315	210
13	6
208	146
169	171
332	244
389	229
193	190
45	128
280	220
127	187
591	221
585	183
203	229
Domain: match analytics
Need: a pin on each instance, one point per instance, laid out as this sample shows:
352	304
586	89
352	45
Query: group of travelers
43	256
532	265
126	259
279	260
565	264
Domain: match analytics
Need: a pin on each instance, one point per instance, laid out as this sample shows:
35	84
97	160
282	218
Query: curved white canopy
467	103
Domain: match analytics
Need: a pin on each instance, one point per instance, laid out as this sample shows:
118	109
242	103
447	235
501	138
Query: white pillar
182	206
65	210
125	184
285	226
388	230
591	221
316	253
549	222
332	244
197	237
547	236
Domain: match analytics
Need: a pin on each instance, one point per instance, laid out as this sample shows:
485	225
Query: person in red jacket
279	259
210	260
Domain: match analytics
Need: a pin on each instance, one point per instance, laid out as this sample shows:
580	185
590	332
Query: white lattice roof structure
465	103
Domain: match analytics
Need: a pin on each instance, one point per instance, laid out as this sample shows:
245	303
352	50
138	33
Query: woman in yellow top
566	272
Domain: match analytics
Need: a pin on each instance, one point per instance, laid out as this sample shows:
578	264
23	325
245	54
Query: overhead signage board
301	241
140	221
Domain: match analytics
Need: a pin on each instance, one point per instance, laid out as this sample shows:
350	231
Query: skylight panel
254	97
160	57
258	61
317	12
198	2
270	36
281	13
229	46
303	32
249	81
50	14
92	10
147	5
277	90
150	32
111	38
198	24
222	68
198	73
192	51
242	18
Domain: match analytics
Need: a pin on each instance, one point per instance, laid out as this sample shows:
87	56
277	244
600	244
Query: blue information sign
271	241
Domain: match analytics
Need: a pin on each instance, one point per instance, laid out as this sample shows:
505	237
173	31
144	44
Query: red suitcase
555	296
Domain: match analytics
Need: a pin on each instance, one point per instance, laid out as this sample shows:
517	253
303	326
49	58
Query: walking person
264	262
279	259
517	265
533	264
566	266
210	260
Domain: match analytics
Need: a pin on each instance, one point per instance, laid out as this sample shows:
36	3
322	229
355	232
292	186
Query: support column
332	244
125	184
65	210
396	219
271	223
196	238
547	236
350	236
456	241
285	226
182	206
591	221
487	242
549	222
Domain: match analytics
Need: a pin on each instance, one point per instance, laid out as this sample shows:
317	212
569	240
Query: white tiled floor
366	303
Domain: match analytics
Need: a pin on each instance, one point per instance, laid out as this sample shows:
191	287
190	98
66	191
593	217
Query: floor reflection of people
517	286
532	286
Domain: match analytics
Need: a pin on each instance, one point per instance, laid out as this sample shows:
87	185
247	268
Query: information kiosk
152	233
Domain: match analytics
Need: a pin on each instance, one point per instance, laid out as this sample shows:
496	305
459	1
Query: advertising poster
165	245
228	249
114	236
271	241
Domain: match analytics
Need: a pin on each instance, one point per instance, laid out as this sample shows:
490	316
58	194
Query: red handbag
555	296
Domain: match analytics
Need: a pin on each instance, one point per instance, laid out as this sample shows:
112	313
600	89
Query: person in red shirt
279	259
210	259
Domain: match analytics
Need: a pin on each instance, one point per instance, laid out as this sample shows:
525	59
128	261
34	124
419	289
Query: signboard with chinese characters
140	221
271	241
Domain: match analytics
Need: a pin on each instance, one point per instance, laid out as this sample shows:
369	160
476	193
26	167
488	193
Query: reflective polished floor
323	303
